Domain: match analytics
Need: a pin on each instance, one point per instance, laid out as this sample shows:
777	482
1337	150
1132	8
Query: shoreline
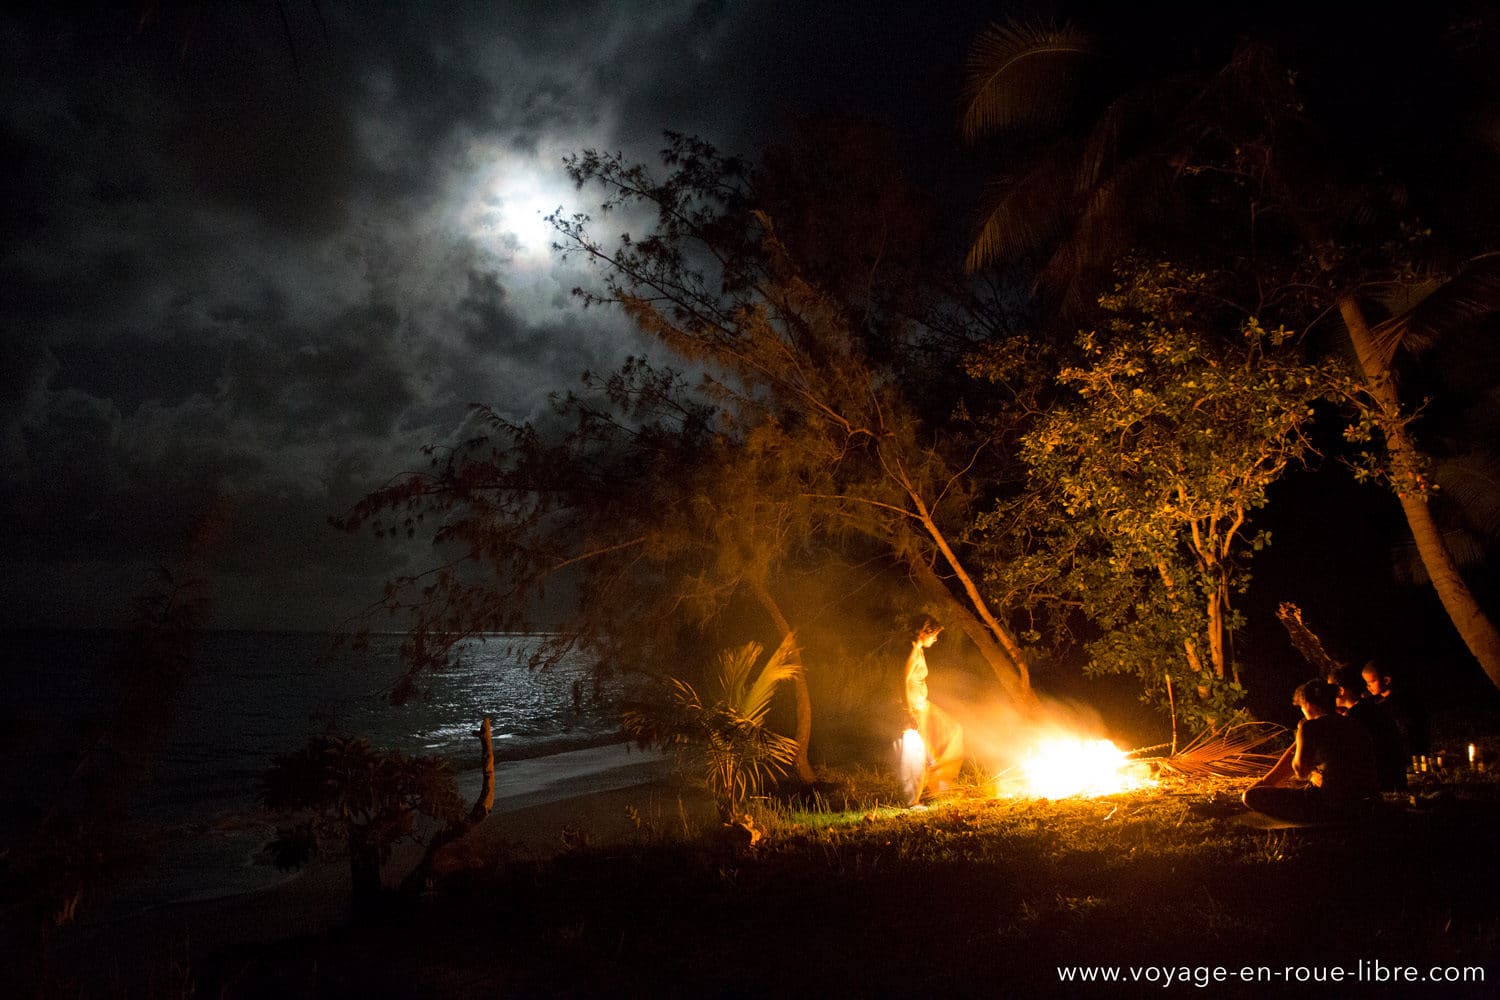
605	794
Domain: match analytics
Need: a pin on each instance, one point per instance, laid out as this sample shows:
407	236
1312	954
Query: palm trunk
799	684
1478	632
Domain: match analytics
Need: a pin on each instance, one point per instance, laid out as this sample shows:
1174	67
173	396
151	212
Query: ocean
251	696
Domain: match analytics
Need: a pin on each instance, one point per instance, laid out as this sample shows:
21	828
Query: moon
511	197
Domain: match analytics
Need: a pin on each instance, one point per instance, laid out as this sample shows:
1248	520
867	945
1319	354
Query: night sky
267	250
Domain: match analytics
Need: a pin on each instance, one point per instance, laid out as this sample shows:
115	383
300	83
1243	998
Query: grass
848	896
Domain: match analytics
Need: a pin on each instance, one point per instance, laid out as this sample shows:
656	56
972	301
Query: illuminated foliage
1143	482
1266	154
727	740
785	360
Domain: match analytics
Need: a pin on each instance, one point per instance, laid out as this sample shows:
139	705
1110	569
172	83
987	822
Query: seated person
1328	773
1410	717
1356	703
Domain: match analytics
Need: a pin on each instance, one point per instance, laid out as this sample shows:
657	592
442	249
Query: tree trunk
1189	648
799	684
484	803
998	635
1013	675
1216	632
1478	632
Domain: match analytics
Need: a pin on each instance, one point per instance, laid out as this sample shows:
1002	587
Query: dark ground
973	896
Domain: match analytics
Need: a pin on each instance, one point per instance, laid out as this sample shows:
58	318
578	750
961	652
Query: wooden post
486	801
416	880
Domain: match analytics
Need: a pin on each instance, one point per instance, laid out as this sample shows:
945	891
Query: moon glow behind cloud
508	199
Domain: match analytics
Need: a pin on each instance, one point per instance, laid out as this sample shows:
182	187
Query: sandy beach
598	795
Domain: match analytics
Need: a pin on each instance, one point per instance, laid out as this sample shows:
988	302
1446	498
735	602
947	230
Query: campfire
1059	767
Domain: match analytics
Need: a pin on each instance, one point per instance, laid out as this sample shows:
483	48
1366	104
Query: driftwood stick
1305	641
417	880
486	801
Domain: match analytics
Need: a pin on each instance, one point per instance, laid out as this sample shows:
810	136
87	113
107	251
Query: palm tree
1113	165
727	739
1091	153
1471	294
1468	511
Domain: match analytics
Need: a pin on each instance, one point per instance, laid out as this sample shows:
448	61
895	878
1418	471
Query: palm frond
1435	311
1472	481
735	665
727	738
1402	297
1231	752
780	667
1407	565
1468	510
1021	73
1026	211
1127	125
1104	229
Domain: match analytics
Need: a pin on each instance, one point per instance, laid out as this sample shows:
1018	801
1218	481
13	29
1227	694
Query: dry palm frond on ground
1231	752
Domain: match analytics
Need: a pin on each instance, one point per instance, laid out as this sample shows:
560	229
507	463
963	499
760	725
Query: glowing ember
1060	766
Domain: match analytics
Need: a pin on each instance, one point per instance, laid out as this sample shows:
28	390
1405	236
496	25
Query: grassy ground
974	896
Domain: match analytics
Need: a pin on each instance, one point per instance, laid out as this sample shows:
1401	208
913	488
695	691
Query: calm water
251	696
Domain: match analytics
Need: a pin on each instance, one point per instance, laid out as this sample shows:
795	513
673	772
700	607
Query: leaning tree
671	504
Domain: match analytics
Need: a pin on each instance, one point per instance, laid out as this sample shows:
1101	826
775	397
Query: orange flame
1059	767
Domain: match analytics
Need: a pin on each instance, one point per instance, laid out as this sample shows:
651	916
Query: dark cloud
269	261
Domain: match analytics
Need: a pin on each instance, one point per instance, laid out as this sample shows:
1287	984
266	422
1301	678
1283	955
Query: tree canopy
1145	476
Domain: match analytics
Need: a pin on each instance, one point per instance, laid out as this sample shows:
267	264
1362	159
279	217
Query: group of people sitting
1353	743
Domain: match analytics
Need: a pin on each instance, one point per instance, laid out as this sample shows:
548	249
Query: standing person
941	737
1410	716
1328	773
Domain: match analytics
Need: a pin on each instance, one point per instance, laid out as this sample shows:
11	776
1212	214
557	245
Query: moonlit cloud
236	263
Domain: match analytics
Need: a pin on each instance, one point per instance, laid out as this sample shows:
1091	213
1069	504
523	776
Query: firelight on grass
1059	767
